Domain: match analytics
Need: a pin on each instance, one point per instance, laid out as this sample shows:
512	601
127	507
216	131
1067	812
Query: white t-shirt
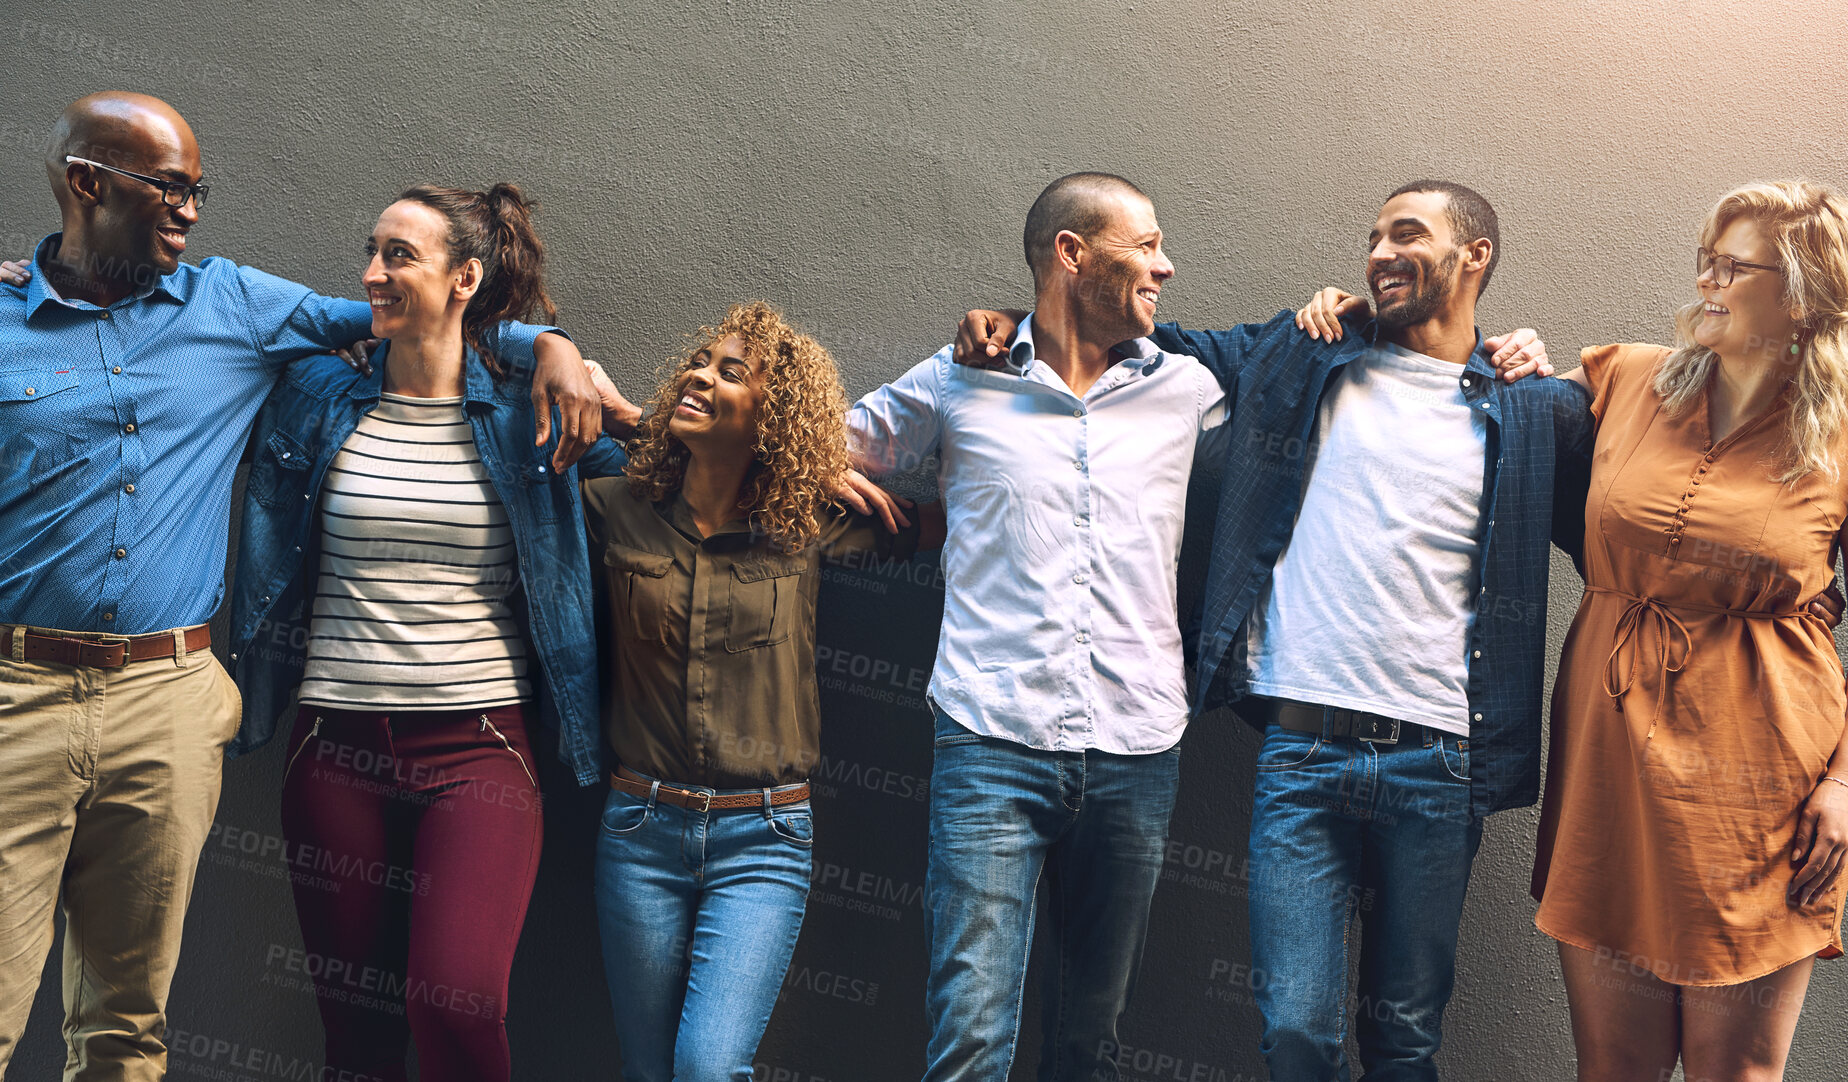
1370	604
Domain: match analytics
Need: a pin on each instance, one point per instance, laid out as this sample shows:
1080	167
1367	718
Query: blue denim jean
699	913
1339	829
1005	818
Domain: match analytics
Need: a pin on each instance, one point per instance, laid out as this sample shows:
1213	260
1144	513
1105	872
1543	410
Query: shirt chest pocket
765	599
279	472
638	580
35	442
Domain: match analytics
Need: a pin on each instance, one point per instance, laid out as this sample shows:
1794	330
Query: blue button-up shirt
1538	456
1060	627
120	430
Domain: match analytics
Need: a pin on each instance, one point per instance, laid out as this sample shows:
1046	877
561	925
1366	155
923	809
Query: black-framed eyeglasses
172	192
1723	266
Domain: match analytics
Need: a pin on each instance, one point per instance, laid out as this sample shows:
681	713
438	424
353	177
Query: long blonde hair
801	449
1808	224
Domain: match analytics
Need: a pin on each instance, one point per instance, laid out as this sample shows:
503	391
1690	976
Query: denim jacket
304	423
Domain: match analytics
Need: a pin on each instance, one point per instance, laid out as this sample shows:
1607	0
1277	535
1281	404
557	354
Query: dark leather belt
106	652
1328	720
628	781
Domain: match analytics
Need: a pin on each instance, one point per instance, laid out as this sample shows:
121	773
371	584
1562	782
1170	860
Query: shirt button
121	553
1082	637
30	391
233	657
305	496
1078	578
1478	717
1077	413
1475	653
1078	465
129	427
1078	520
102	315
130	489
265	598
108	615
117	370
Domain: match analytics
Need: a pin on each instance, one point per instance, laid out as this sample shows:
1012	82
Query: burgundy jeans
413	845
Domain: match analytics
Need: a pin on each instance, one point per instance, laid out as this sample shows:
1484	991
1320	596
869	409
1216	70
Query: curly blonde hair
801	449
1808	225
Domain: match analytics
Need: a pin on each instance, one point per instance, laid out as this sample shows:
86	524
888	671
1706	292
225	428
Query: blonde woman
707	557
1696	814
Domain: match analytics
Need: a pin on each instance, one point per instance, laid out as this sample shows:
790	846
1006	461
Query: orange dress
1698	704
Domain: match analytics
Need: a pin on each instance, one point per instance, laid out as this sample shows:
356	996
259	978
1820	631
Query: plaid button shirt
1538	459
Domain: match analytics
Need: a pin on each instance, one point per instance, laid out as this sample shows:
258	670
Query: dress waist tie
1668	628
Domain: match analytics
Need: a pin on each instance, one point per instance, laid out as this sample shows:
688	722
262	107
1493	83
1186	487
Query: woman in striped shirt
429	555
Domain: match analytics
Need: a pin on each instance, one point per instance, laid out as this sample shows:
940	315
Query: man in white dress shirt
1059	693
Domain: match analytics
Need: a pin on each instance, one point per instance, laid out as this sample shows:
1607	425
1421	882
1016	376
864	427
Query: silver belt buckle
1375	729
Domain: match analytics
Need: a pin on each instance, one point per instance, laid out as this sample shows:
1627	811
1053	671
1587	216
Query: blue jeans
699	913
1003	819
1342	828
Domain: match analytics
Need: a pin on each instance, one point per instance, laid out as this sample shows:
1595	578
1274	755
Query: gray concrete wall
868	168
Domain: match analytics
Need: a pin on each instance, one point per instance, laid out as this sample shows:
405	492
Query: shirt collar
40	291
679	515
1020	353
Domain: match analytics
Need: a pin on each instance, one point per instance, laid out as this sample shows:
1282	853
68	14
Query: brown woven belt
628	781
108	652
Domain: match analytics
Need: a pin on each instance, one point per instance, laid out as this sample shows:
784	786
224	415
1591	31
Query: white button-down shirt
1060	628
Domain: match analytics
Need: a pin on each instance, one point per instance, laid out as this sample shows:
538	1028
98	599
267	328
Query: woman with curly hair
1696	813
707	556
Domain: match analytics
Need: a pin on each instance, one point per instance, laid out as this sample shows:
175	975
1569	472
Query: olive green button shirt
708	644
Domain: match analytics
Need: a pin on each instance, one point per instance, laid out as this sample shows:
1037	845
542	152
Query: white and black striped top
413	607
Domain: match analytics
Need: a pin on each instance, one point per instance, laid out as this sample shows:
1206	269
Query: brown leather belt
1332	721
628	781
108	652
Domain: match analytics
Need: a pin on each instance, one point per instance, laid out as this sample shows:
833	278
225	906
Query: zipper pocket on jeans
489	727
299	748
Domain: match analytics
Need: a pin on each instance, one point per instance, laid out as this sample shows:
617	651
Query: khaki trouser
108	783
